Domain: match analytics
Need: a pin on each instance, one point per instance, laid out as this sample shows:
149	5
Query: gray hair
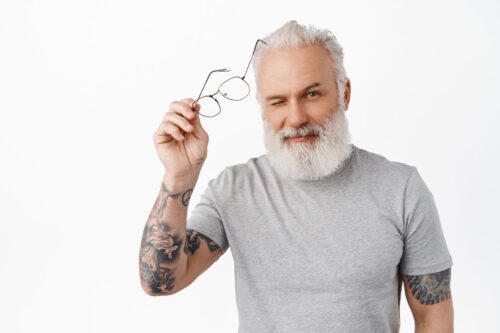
293	34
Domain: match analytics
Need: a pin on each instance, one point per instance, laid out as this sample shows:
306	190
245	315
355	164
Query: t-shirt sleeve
425	250
206	217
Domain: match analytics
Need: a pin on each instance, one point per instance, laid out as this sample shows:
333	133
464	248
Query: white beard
309	160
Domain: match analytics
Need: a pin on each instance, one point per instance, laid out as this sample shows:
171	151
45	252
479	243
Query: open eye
312	93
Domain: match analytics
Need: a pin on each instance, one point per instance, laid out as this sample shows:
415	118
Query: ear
347	93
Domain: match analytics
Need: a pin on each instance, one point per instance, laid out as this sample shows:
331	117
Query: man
323	233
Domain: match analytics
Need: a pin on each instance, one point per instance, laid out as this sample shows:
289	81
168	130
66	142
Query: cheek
321	111
275	118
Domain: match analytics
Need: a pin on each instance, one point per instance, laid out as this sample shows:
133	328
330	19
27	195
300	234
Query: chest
339	245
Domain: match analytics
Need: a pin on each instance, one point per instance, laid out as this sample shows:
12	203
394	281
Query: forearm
162	257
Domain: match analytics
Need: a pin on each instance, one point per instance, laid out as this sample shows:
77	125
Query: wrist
179	184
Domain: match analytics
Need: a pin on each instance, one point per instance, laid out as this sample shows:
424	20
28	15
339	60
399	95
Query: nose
297	115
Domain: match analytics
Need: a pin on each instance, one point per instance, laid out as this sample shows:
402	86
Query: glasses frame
231	78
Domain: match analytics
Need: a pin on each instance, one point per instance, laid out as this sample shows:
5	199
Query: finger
194	105
188	101
172	130
182	108
179	120
198	130
161	136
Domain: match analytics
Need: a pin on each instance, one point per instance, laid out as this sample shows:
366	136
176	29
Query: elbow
154	283
152	291
152	288
159	284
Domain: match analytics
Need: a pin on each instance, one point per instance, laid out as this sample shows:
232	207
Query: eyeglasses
235	88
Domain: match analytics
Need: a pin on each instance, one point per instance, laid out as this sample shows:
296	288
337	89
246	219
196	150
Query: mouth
300	138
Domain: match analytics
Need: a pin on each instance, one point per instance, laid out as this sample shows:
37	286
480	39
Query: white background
84	85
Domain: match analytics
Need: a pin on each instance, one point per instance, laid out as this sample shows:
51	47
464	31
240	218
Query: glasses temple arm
254	48
208	77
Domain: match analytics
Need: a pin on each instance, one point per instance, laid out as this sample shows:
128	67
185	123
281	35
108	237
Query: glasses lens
235	88
208	106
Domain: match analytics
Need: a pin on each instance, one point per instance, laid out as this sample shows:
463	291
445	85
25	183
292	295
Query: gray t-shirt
324	255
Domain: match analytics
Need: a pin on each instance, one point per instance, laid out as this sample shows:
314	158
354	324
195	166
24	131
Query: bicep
429	296
202	252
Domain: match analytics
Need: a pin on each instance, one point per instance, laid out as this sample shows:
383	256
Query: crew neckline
343	166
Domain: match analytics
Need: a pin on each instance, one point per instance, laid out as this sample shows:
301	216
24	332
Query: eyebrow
313	85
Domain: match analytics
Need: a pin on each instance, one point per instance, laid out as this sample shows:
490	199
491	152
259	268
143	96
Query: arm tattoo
185	197
193	242
431	288
159	247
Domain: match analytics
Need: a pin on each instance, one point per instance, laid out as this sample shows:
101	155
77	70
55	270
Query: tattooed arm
429	298
171	257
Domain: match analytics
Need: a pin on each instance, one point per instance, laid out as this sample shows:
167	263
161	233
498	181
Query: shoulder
379	168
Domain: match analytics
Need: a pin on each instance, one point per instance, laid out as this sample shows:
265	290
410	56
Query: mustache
309	129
